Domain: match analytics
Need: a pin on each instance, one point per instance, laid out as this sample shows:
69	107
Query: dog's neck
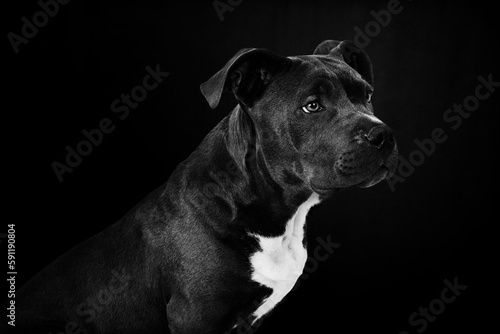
258	155
229	168
281	189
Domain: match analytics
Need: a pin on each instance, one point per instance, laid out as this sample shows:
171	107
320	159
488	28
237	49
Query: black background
397	247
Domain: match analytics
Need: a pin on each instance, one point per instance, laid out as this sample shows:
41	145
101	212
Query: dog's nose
380	135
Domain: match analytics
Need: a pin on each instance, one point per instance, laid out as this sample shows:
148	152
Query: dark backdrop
397	245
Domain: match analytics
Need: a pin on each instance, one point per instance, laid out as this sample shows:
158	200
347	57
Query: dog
224	238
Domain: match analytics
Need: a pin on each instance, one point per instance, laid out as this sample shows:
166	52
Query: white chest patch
281	261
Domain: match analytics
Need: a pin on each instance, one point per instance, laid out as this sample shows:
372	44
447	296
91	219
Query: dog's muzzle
382	139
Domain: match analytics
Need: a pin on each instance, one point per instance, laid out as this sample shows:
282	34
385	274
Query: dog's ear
246	75
325	47
355	57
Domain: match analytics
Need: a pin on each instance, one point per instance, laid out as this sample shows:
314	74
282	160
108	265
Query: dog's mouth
380	174
385	170
359	173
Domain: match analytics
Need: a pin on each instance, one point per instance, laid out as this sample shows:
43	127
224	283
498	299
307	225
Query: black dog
223	239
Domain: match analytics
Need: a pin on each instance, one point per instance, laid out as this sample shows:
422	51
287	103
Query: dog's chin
346	181
365	179
379	175
387	169
324	192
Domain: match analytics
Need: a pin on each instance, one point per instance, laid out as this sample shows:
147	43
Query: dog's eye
369	94
312	107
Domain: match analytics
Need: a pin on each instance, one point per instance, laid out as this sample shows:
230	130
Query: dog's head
311	115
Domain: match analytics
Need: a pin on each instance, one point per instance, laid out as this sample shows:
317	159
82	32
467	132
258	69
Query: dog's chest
280	261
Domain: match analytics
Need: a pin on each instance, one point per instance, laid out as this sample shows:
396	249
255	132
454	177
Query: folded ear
246	75
355	57
325	47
